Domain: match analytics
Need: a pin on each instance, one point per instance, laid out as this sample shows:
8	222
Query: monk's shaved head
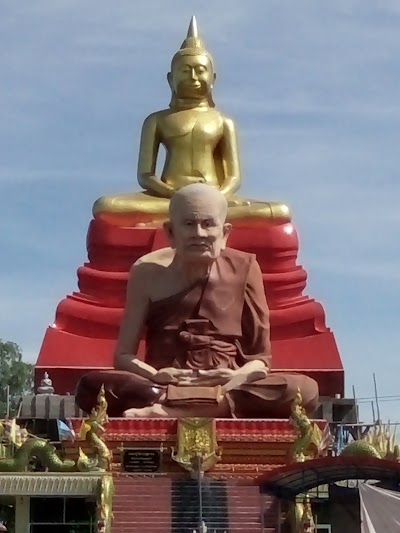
198	196
197	228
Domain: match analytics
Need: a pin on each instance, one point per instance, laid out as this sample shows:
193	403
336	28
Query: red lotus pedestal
86	325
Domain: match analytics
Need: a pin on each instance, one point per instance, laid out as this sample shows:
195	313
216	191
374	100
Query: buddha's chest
192	126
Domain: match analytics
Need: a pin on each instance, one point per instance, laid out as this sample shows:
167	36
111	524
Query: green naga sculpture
40	449
19	449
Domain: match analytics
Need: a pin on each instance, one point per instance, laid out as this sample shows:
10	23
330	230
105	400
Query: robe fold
219	322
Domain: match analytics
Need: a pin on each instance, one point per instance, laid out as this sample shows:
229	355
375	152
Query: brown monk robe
219	322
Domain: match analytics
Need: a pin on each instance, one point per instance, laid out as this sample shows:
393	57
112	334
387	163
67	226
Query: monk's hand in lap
253	371
214	376
167	376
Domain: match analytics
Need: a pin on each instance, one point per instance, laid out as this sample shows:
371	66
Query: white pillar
22	514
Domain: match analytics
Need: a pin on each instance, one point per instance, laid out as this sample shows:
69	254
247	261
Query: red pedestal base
87	322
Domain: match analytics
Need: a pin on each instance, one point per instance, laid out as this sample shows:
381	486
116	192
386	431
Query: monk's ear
169	232
226	231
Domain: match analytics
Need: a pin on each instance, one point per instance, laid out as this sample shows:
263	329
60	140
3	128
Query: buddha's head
192	73
197	228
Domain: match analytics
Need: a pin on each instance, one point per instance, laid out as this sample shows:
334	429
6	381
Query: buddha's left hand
183	181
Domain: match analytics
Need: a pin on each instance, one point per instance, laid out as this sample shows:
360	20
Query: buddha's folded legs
270	398
131	209
138	208
252	212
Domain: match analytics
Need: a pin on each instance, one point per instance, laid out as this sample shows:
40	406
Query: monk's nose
200	231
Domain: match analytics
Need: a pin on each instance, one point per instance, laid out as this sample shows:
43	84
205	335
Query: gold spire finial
192	30
193	43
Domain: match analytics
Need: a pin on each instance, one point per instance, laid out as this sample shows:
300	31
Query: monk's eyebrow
211	220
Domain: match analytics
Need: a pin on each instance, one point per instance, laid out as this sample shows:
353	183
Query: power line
369	398
384	399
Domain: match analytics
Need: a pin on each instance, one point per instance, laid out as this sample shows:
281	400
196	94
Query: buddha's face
197	230
191	76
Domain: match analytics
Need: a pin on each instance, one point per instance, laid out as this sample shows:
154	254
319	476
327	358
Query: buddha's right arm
148	151
133	319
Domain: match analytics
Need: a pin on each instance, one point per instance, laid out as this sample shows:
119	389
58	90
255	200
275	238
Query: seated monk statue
207	328
201	146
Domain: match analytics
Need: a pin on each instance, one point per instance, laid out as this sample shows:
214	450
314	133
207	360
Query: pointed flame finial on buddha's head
193	45
192	40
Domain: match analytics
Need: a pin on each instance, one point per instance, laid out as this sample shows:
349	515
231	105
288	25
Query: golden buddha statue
201	146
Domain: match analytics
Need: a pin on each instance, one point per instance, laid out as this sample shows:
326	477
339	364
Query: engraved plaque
141	460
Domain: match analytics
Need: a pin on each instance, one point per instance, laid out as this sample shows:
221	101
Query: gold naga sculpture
92	430
200	144
311	442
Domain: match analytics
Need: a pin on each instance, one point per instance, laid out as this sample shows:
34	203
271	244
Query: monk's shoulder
162	257
242	263
152	264
239	256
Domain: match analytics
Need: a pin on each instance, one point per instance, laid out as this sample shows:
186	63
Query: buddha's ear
169	232
226	231
169	79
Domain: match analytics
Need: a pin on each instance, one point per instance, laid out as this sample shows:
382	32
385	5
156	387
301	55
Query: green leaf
16	374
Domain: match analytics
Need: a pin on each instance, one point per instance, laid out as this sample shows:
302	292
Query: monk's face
191	76
198	231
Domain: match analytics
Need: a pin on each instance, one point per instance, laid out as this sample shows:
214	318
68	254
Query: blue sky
314	89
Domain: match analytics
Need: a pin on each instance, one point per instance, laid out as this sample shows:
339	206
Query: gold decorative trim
197	441
104	504
266	438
